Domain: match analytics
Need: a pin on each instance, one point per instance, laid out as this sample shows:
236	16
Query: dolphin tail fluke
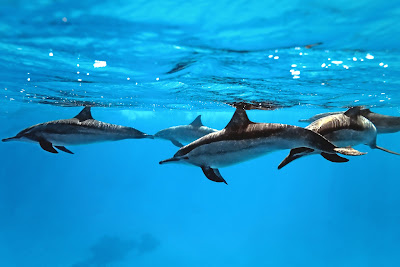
348	151
387	150
9	139
149	136
334	157
64	149
213	174
46	145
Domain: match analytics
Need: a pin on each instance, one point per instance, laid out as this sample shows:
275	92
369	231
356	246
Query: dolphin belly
349	137
228	152
80	138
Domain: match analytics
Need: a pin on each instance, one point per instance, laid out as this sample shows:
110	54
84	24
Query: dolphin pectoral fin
289	158
386	150
348	151
213	174
46	145
177	143
295	153
63	148
334	157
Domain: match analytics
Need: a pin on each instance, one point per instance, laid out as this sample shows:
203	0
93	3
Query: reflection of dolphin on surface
343	129
185	133
243	140
82	129
383	123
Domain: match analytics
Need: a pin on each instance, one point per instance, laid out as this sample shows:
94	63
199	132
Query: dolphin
81	129
185	133
342	129
243	140
383	123
319	116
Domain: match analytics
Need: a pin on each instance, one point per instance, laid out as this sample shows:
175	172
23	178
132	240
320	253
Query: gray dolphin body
82	129
383	123
243	140
185	133
342	129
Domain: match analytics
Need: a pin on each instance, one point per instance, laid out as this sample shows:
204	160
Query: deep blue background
55	208
112	204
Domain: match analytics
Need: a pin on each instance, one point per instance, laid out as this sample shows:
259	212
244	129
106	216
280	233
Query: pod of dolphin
329	134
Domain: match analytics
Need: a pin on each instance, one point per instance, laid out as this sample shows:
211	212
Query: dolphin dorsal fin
352	112
365	111
239	120
197	122
85	114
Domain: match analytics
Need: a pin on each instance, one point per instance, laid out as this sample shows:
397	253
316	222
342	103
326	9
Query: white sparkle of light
346	67
157	79
77	72
294	65
354	59
87	74
276	57
99	64
29	79
381	64
79	80
77	65
128	78
50	54
270	56
385	66
337	62
369	56
295	72
296	77
323	65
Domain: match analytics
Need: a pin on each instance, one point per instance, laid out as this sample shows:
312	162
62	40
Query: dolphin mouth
9	139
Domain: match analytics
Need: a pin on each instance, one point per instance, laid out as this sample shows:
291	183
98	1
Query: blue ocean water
155	64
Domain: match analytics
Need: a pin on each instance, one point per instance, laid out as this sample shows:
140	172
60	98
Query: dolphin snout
169	160
9	139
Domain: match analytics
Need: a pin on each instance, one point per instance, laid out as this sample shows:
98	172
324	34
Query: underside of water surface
151	55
